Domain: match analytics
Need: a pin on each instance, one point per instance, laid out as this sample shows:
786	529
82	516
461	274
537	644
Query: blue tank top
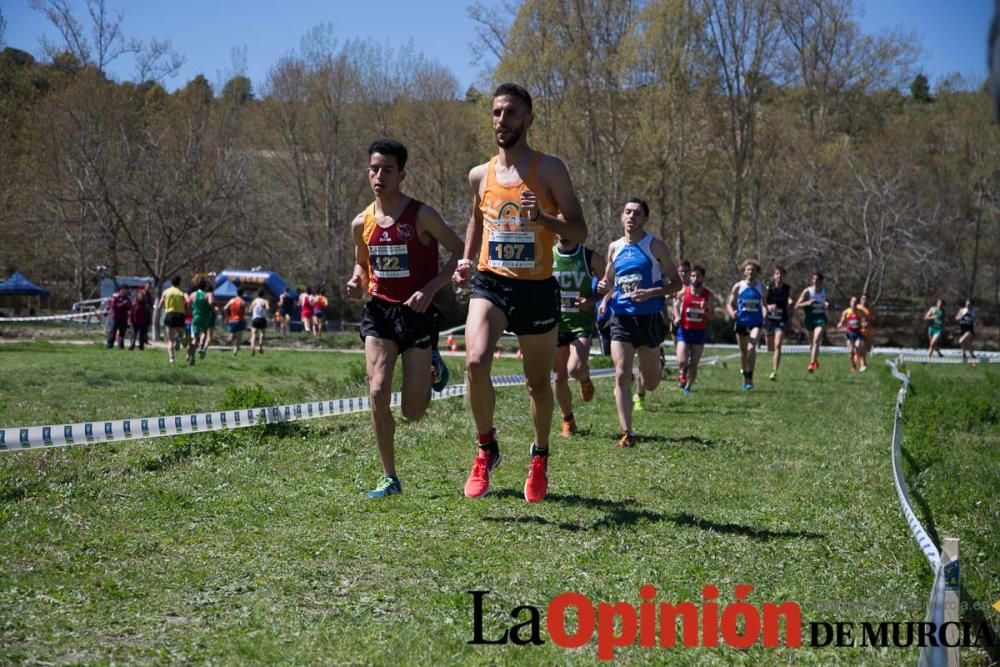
635	268
749	304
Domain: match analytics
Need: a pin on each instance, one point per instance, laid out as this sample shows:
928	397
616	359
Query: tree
238	90
742	39
106	41
825	55
920	89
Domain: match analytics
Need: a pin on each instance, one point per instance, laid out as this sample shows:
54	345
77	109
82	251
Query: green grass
261	547
951	440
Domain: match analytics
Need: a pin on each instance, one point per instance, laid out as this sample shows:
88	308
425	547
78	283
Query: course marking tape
902	489
49	318
24	438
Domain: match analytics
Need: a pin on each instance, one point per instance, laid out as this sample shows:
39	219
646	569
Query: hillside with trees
755	128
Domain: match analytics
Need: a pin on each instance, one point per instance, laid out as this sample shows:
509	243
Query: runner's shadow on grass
685	441
624	513
700	411
691	441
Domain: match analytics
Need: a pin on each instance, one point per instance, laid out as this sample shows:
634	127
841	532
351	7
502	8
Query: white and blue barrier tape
902	489
946	574
24	438
51	318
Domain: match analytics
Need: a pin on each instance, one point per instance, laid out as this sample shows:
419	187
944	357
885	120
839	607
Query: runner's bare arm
731	303
430	223
359	278
474	230
569	223
662	255
804	299
607	284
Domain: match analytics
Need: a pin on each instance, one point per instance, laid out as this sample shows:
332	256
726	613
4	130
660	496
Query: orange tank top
512	246
236	310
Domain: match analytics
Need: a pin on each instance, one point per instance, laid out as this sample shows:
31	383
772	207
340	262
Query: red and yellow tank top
693	307
399	264
512	246
852	320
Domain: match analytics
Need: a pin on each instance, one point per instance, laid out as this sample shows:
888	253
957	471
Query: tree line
774	129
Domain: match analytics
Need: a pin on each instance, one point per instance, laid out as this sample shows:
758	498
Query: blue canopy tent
250	280
18	285
224	290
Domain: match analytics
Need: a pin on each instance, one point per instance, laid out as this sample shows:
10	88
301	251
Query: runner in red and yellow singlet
396	258
523	199
692	311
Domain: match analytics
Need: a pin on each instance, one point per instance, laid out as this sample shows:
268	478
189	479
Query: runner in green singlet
574	266
202	307
935	315
813	302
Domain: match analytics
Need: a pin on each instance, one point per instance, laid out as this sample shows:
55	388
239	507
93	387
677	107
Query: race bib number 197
512	250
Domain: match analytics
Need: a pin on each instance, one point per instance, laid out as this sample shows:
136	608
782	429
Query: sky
952	34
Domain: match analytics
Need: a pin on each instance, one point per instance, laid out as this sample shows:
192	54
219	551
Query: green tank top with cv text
572	271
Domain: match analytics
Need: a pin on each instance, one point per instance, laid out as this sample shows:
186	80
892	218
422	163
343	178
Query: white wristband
465	262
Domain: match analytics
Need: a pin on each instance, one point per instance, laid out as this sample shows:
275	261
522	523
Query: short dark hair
203	284
390	147
513	90
685	264
697	268
778	267
818	275
176	281
261	292
642	204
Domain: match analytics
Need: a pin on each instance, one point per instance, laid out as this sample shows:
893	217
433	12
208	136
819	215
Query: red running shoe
537	484
478	484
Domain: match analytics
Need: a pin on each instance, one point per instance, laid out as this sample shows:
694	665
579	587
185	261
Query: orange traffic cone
451	343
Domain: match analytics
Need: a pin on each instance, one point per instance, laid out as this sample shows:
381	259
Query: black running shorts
639	330
400	324
531	306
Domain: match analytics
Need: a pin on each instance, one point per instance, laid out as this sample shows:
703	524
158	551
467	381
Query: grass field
259	545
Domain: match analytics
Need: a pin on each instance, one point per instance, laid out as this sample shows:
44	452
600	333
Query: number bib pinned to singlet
511	250
389	261
627	285
695	314
568	301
